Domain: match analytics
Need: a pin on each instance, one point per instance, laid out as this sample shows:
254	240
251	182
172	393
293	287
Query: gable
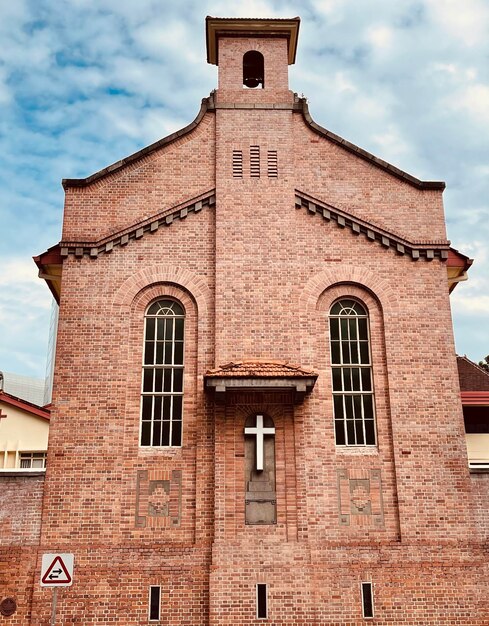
327	166
22	427
138	187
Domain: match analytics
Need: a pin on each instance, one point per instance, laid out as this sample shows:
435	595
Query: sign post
53	607
56	571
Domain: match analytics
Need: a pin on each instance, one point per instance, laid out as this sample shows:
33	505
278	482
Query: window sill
479	469
17	471
357	450
169	451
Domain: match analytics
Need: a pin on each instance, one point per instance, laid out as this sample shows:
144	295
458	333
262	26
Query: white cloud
391	143
16	271
472	306
474	100
468	22
380	36
342	83
24	317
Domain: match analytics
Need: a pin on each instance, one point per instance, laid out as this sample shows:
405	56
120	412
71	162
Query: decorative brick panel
360	498
158	498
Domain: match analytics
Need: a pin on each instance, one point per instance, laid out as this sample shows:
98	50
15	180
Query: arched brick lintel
360	277
171	275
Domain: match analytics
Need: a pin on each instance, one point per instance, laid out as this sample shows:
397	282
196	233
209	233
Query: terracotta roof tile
255	368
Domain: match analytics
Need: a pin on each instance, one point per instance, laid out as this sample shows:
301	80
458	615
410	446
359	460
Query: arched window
353	394
253	70
162	386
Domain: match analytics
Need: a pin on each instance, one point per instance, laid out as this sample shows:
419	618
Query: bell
252	82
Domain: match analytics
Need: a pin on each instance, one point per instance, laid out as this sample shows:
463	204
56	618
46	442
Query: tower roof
250	27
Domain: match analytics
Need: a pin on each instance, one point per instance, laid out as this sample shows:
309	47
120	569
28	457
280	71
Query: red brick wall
480	490
20	509
230	74
321	594
20	522
331	174
257	277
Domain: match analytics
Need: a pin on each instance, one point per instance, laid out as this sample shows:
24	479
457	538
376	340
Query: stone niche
261	499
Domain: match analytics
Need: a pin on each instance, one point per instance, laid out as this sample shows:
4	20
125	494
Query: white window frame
162	366
342	366
31	455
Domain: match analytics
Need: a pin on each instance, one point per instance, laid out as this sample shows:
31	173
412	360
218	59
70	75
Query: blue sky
84	83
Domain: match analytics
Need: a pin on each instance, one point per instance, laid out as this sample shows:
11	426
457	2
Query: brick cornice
136	231
427	250
363	154
207	104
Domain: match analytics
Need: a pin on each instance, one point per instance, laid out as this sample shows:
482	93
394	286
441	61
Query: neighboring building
25	387
24	430
474	389
256	410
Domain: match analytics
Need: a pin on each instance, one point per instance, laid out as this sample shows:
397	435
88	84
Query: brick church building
256	411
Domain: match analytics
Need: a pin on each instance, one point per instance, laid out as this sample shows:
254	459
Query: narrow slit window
162	380
272	164
255	161
154	603
367	600
351	370
237	164
261	601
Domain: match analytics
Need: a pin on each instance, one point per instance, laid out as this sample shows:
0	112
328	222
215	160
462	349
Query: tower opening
253	70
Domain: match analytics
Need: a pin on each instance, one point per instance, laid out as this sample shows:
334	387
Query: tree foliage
485	363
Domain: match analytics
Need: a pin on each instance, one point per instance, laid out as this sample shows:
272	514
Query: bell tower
254	181
253	56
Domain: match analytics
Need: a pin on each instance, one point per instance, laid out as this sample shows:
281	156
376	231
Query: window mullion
162	366
152	414
348	314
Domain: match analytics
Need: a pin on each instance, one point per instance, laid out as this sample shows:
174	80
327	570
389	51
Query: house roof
257	368
299	105
475	398
216	27
260	375
50	262
457	266
205	106
472	377
28	407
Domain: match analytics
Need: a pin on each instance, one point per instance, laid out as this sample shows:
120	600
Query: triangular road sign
56	573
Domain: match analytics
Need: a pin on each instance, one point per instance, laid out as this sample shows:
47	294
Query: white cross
259	431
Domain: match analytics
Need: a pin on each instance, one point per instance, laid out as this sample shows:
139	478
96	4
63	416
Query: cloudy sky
84	83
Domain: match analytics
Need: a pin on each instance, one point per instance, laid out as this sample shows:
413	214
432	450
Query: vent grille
237	164
272	164
255	161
